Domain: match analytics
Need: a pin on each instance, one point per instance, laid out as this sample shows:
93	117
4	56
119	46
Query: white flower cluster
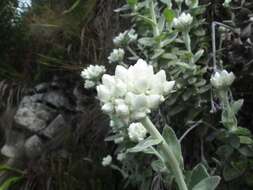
132	93
125	38
222	79
137	132
107	160
116	56
92	75
183	22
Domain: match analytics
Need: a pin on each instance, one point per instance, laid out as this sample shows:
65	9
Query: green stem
187	41
132	52
154	19
171	161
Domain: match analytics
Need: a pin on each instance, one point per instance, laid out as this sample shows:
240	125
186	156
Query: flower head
222	79
92	75
137	132
107	160
93	72
183	22
116	56
132	93
125	38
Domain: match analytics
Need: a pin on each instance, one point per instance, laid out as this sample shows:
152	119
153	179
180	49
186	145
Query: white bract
222	79
183	22
132	93
92	75
125	38
107	160
137	132
116	56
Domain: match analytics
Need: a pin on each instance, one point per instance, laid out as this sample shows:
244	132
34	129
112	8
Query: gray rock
33	147
56	99
33	116
8	151
57	125
29	99
13	147
42	87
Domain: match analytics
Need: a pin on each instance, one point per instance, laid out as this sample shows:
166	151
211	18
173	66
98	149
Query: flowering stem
170	160
132	52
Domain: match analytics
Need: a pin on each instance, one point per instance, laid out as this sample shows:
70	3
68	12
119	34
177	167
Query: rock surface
33	116
57	125
33	146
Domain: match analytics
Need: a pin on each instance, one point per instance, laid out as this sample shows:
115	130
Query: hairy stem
154	19
170	160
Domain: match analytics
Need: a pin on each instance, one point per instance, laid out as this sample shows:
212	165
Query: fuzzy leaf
236	105
169	15
143	145
132	3
209	183
198	174
173	142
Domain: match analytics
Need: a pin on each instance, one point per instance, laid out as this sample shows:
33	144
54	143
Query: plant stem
187	41
153	17
170	160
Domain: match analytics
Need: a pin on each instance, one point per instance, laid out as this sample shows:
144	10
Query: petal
103	93
108	80
154	101
168	87
107	108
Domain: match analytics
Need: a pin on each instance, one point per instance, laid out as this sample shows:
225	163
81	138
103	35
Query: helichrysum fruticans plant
173	75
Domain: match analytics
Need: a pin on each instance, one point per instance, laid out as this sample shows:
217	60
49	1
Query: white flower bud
183	22
137	132
117	55
119	40
92	75
222	79
107	160
93	72
125	38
